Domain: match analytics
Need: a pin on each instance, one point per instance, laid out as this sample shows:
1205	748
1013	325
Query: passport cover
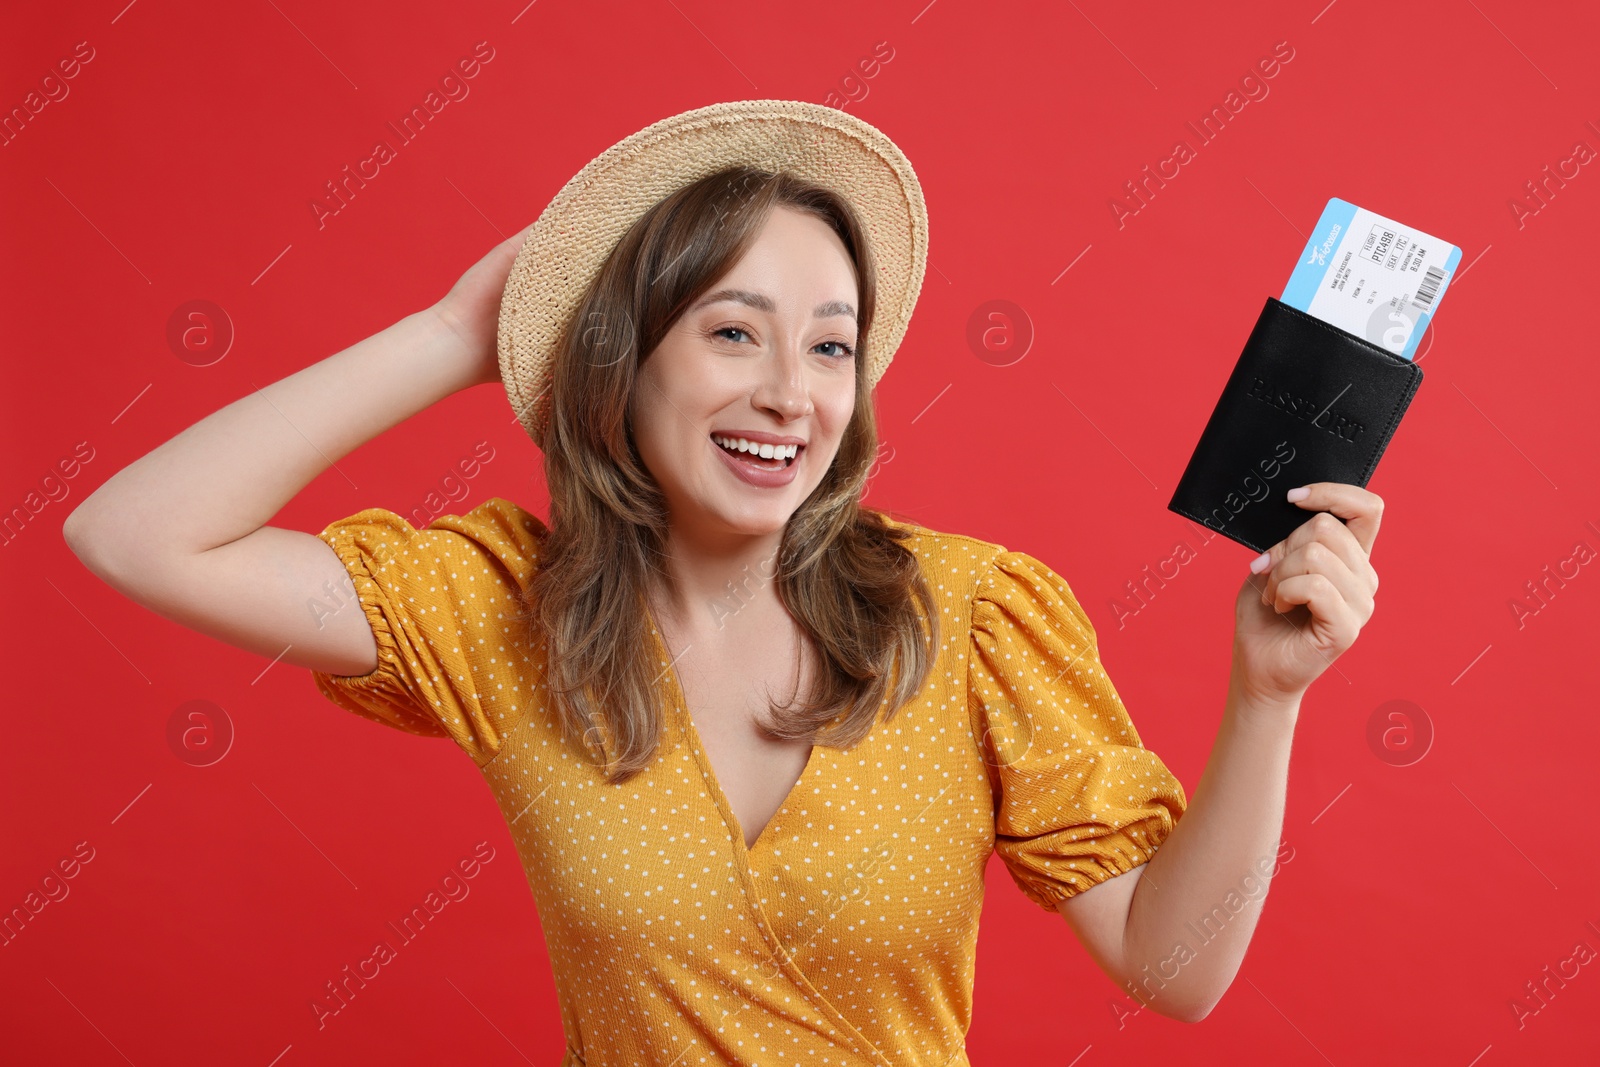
1306	402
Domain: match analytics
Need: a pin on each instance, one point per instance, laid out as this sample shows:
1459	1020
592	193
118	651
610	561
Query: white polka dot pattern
1080	798
846	934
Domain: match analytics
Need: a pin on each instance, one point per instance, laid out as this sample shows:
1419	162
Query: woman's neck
710	580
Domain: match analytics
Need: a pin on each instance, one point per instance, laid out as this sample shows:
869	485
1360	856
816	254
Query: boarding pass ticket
1372	277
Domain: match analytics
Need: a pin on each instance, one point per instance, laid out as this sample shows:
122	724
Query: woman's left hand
1292	620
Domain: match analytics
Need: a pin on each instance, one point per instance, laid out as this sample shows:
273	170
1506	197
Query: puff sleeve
1078	798
442	602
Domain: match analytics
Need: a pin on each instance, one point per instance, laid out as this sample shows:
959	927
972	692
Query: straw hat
577	231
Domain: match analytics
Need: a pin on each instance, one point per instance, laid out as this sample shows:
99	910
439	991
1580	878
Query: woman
754	742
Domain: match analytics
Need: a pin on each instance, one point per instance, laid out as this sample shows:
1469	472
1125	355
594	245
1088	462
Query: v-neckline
702	758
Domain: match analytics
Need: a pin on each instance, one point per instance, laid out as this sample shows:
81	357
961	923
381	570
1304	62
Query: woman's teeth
782	453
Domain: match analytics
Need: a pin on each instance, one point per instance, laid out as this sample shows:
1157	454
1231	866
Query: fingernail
1299	494
1259	564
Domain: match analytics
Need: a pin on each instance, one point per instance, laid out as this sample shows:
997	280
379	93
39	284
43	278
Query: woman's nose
783	386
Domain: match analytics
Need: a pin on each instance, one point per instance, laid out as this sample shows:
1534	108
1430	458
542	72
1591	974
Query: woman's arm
182	530
1174	930
1165	930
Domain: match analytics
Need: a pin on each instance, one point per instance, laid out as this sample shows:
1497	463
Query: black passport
1306	402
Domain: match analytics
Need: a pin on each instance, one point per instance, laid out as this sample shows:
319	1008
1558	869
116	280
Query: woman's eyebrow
762	302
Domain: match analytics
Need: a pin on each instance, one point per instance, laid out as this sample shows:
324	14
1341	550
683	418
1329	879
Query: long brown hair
841	571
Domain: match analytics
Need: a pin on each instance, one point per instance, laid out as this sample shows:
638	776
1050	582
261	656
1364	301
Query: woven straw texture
578	229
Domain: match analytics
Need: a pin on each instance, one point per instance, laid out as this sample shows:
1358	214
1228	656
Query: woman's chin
752	516
759	520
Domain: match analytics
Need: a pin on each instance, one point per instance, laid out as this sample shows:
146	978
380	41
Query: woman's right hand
472	306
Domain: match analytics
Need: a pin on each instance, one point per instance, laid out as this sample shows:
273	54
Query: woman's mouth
749	453
773	472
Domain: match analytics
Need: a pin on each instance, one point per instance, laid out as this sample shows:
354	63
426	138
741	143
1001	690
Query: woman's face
767	352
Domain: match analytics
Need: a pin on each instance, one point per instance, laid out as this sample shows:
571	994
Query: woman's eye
844	351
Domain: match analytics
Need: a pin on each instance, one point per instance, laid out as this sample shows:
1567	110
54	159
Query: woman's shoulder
947	554
982	572
924	539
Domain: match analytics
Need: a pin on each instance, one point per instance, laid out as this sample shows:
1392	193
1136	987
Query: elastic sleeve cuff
382	694
1118	852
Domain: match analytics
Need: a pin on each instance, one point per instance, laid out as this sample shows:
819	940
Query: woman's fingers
1319	558
1351	540
517	240
1361	509
1329	533
1332	613
1325	545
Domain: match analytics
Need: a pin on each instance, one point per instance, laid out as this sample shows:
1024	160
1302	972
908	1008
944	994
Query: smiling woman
763	290
752	835
796	251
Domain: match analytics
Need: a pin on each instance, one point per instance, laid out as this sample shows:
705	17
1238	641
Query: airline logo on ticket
1371	276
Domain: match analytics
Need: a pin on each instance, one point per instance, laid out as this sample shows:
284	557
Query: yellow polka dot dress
846	934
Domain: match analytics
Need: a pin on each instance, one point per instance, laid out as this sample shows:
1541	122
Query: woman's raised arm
183	529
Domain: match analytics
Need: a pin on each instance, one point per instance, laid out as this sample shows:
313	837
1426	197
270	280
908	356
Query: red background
182	166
